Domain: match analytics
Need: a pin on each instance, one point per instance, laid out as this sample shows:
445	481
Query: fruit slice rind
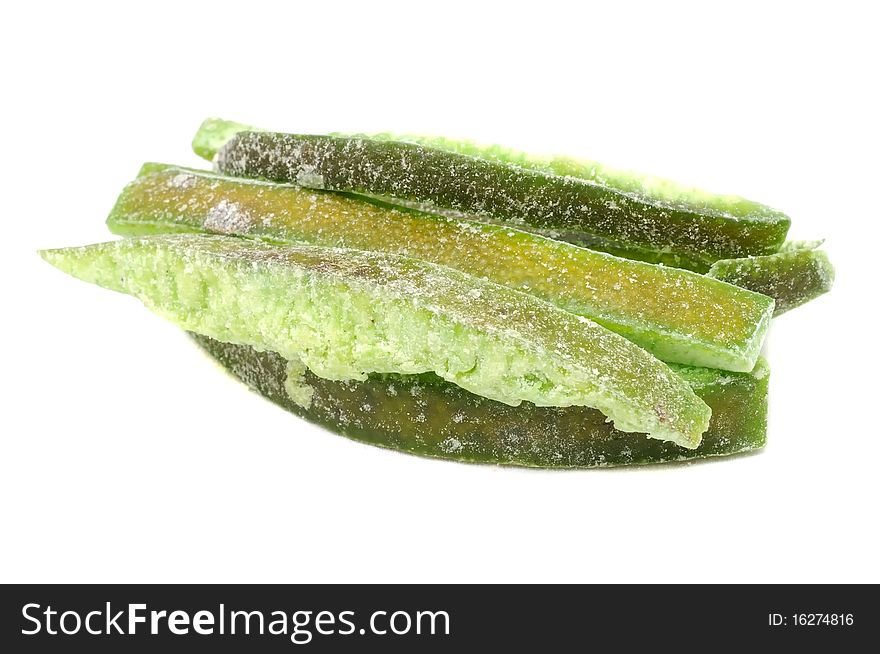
424	415
347	313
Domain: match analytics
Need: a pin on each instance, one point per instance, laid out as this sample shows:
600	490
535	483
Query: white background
127	456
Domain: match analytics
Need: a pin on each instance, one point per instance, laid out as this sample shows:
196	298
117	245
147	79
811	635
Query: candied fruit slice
347	313
497	190
795	275
626	181
423	414
675	314
214	133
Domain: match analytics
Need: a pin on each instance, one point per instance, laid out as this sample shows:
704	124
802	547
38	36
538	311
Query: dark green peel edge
424	415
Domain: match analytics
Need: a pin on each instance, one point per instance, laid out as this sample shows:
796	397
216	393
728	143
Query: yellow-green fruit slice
675	314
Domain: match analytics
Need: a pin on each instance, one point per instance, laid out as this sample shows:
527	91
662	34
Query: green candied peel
626	181
795	275
677	315
214	133
497	191
347	313
425	415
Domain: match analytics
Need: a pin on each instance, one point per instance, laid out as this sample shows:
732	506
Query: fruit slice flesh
795	275
346	313
624	208
422	414
677	315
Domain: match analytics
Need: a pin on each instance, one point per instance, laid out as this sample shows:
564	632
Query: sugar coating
347	313
442	420
498	190
675	314
226	217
